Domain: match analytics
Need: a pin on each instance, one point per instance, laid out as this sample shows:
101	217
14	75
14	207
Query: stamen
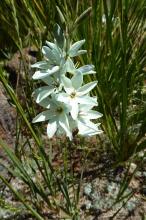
72	95
59	109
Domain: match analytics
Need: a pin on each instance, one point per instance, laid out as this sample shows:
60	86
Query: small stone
138	174
86	206
141	154
88	189
95	211
132	167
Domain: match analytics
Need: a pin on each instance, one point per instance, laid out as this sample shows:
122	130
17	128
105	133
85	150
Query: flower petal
77	80
62	70
75	109
86	88
85	107
75	47
59	36
62	97
41	65
67	84
45	103
48	53
42	74
87	128
51	128
91	114
53	55
63	122
48	80
80	52
57	56
50	45
70	67
87	69
87	100
94	114
42	92
43	116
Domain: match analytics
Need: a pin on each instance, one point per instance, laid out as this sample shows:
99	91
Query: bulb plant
65	96
115	40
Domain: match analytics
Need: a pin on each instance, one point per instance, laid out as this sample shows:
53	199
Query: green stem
34	213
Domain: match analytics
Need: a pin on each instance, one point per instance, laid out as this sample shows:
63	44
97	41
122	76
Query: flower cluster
65	97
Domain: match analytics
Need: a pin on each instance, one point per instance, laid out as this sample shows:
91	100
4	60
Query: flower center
56	84
59	110
72	95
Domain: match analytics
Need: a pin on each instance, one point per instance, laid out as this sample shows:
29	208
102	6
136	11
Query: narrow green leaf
84	15
61	15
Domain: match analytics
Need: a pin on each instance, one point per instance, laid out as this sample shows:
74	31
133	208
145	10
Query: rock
16	67
7	118
132	168
8	113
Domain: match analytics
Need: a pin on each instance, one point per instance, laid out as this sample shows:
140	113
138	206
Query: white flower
55	60
53	63
85	126
57	114
40	74
67	102
74	49
54	86
42	92
75	93
52	54
87	69
84	70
